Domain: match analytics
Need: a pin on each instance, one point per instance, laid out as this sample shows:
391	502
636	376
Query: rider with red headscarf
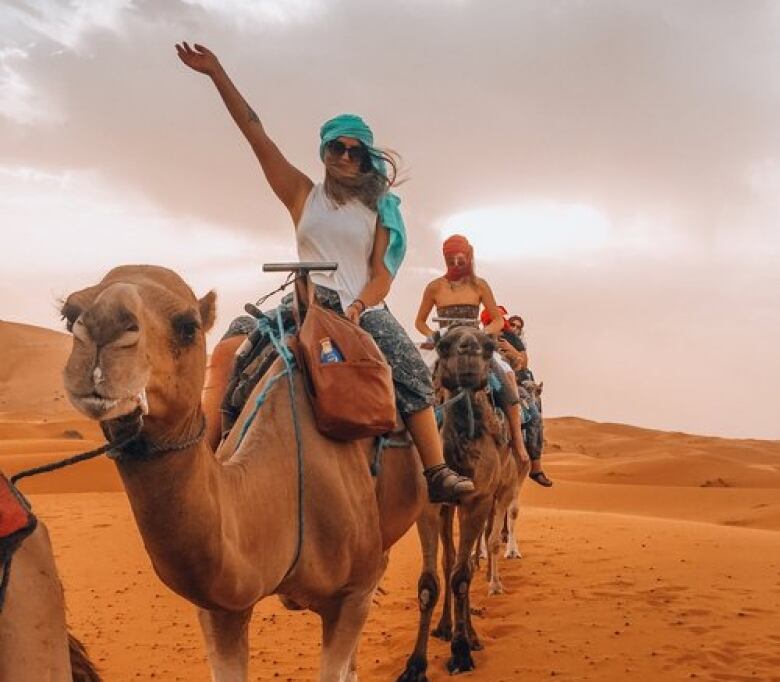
458	295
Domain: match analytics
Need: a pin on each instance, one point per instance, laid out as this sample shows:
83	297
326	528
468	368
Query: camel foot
443	631
474	642
495	588
415	670
461	660
513	554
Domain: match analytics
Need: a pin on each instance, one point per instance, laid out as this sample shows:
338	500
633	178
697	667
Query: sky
616	165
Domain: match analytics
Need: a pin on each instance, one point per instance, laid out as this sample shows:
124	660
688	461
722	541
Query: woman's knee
225	350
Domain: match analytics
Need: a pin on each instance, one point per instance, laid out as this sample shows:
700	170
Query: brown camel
34	642
476	445
223	532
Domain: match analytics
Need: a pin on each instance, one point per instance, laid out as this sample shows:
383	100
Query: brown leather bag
353	398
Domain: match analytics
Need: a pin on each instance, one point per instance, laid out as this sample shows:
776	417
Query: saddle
16	523
353	399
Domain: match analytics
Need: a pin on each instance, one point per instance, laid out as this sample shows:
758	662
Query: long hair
368	185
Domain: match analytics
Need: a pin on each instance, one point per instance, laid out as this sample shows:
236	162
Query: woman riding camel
458	295
350	218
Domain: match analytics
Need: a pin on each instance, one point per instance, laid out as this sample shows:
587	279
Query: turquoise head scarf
350	125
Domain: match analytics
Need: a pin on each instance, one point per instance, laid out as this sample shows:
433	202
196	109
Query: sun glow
533	230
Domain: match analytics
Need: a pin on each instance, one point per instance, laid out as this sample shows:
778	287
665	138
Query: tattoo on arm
253	117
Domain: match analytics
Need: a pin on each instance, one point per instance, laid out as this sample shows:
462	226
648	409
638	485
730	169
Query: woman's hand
512	355
198	58
352	313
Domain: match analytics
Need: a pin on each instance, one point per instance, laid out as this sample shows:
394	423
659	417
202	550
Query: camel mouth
102	408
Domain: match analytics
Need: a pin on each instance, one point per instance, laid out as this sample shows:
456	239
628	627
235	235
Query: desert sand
656	556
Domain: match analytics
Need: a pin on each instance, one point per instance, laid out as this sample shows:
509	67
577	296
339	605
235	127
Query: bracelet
363	306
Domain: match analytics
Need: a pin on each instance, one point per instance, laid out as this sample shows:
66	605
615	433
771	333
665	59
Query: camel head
464	358
534	389
138	342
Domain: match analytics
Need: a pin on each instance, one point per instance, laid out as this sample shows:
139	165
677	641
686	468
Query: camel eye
185	328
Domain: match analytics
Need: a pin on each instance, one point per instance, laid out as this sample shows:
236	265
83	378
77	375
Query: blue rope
259	402
463	393
380	445
277	336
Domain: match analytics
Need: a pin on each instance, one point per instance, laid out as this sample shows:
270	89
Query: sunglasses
356	152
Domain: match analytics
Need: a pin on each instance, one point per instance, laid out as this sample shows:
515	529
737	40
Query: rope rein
277	336
69	461
464	393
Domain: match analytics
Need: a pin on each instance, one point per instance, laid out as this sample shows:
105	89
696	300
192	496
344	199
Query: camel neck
197	517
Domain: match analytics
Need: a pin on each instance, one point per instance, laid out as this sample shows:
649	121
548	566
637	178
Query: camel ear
77	303
444	345
208	310
70	312
541	385
488	347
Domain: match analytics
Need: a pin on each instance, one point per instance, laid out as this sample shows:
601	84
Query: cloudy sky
616	163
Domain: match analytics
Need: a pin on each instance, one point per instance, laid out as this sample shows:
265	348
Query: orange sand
656	556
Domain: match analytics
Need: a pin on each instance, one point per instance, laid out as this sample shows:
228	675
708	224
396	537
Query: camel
533	437
224	531
480	450
34	642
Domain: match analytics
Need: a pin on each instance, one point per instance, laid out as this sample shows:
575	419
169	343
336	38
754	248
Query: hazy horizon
616	164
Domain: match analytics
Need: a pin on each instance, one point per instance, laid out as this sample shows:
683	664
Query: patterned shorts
411	377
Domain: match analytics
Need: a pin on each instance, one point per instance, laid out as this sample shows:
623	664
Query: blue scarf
350	125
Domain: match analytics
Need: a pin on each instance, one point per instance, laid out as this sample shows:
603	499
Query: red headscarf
486	318
458	244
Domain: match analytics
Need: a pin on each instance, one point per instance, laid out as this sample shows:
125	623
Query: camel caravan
257	517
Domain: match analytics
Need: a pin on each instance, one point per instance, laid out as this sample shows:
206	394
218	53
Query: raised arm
288	183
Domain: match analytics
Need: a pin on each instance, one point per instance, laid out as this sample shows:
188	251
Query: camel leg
342	623
499	513
443	630
471	525
33	637
227	643
427	594
512	550
483	551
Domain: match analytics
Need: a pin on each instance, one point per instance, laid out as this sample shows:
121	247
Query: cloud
247	16
660	118
65	23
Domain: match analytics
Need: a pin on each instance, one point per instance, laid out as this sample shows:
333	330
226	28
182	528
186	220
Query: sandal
541	478
446	486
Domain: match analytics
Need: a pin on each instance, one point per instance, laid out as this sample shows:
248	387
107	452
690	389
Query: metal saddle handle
301	267
303	290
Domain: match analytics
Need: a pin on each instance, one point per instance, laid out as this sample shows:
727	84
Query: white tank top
344	234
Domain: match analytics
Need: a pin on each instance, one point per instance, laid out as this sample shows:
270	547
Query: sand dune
655	557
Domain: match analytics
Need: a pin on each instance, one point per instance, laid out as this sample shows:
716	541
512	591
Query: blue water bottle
329	353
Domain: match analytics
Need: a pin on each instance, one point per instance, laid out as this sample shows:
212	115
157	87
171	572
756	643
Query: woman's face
344	156
457	260
517	326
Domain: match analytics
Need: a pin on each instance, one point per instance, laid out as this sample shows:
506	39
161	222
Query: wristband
363	306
